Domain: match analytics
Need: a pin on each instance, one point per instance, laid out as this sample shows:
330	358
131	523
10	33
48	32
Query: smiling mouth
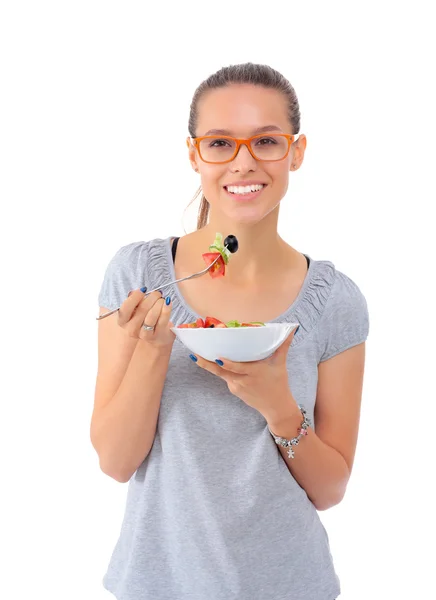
241	190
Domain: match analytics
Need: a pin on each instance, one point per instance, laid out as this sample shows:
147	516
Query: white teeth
239	189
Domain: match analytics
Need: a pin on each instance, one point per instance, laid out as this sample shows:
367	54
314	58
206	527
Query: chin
251	214
245	217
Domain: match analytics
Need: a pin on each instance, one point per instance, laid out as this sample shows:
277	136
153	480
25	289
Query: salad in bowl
239	342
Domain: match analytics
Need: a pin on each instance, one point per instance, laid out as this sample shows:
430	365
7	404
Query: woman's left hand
261	384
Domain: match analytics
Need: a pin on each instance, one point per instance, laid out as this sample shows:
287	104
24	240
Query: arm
324	460
130	381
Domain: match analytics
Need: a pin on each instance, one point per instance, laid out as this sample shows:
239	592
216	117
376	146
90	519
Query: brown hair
255	74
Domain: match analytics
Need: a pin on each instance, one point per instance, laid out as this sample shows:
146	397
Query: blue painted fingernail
296	331
143	290
167	300
219	362
192	357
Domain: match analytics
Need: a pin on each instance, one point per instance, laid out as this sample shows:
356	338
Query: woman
216	507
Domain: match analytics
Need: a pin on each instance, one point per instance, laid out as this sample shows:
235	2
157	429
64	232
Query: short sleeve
126	271
345	320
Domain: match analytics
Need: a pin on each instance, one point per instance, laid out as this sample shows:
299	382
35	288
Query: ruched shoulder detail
158	267
160	272
310	304
126	271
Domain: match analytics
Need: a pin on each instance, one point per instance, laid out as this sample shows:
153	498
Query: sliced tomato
198	323
212	322
190	325
219	268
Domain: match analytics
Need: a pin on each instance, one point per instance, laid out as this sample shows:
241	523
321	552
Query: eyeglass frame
241	142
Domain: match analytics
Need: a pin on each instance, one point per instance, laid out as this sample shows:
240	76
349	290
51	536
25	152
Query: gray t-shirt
213	511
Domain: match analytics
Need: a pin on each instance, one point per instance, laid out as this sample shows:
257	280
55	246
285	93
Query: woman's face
241	111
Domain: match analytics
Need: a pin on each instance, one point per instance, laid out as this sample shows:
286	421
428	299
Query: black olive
232	243
212	325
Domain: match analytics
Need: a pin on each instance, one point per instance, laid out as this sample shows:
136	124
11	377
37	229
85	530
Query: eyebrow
255	132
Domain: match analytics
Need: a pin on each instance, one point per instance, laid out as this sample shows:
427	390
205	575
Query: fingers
236	367
150	318
147	312
134	310
164	319
129	306
212	367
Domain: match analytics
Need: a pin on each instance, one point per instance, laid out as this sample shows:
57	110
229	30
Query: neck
261	250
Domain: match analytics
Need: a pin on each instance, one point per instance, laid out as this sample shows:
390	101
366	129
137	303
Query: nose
243	161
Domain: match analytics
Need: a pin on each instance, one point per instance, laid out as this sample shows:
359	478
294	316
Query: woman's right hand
152	310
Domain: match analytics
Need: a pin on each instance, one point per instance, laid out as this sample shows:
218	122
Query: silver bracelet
296	440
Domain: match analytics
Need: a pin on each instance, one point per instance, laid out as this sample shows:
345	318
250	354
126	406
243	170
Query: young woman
217	508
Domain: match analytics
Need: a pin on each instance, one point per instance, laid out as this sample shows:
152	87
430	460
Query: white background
94	107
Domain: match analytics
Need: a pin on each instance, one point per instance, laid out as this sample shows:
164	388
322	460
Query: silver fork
199	274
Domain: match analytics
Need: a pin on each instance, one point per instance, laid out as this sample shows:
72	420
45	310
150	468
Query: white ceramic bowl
239	344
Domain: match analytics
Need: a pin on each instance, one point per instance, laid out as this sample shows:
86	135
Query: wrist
285	417
282	436
286	427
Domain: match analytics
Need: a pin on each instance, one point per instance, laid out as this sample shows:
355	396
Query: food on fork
222	251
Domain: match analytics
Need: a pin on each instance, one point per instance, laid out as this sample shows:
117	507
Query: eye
218	143
265	141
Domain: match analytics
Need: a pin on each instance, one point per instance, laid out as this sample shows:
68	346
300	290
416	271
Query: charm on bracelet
296	440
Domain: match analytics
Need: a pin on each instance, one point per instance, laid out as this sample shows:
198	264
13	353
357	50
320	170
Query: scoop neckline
191	311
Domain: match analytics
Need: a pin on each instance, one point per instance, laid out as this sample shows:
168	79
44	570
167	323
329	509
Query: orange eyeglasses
219	149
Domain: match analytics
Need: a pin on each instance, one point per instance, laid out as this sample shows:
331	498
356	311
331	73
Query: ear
192	155
299	147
